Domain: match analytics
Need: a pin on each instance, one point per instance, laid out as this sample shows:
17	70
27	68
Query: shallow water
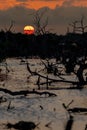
29	108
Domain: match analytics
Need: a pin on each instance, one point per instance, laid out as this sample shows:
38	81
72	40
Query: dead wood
22	125
69	123
26	92
86	127
77	110
52	68
71	119
66	107
51	79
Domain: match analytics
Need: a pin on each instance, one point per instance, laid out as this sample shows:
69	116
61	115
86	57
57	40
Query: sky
60	13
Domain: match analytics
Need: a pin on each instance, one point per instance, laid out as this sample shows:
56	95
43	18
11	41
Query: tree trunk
80	74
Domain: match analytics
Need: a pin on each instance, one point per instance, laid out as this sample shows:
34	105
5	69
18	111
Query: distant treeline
47	45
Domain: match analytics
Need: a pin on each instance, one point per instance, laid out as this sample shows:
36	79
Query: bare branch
39	23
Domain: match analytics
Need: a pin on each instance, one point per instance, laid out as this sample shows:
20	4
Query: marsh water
39	109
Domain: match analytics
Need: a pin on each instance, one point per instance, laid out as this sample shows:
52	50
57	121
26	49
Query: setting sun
29	30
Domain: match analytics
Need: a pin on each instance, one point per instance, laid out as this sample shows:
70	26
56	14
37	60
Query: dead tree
51	68
11	26
40	23
48	66
48	80
82	66
74	26
71	118
75	109
79	26
82	27
81	80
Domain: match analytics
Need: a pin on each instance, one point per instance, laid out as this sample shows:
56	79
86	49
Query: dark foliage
47	45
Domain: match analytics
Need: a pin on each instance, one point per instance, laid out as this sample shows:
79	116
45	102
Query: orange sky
36	4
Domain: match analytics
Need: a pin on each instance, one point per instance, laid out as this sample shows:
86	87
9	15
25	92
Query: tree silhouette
40	23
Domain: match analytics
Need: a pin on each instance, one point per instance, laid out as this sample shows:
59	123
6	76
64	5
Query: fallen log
22	125
77	110
51	80
26	92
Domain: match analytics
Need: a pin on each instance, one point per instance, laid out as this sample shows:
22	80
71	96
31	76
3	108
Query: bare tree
74	26
9	29
79	26
40	22
82	26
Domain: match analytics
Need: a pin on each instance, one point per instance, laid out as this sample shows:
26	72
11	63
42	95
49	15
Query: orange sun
29	30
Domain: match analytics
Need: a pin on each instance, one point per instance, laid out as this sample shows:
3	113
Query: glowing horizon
36	4
60	13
